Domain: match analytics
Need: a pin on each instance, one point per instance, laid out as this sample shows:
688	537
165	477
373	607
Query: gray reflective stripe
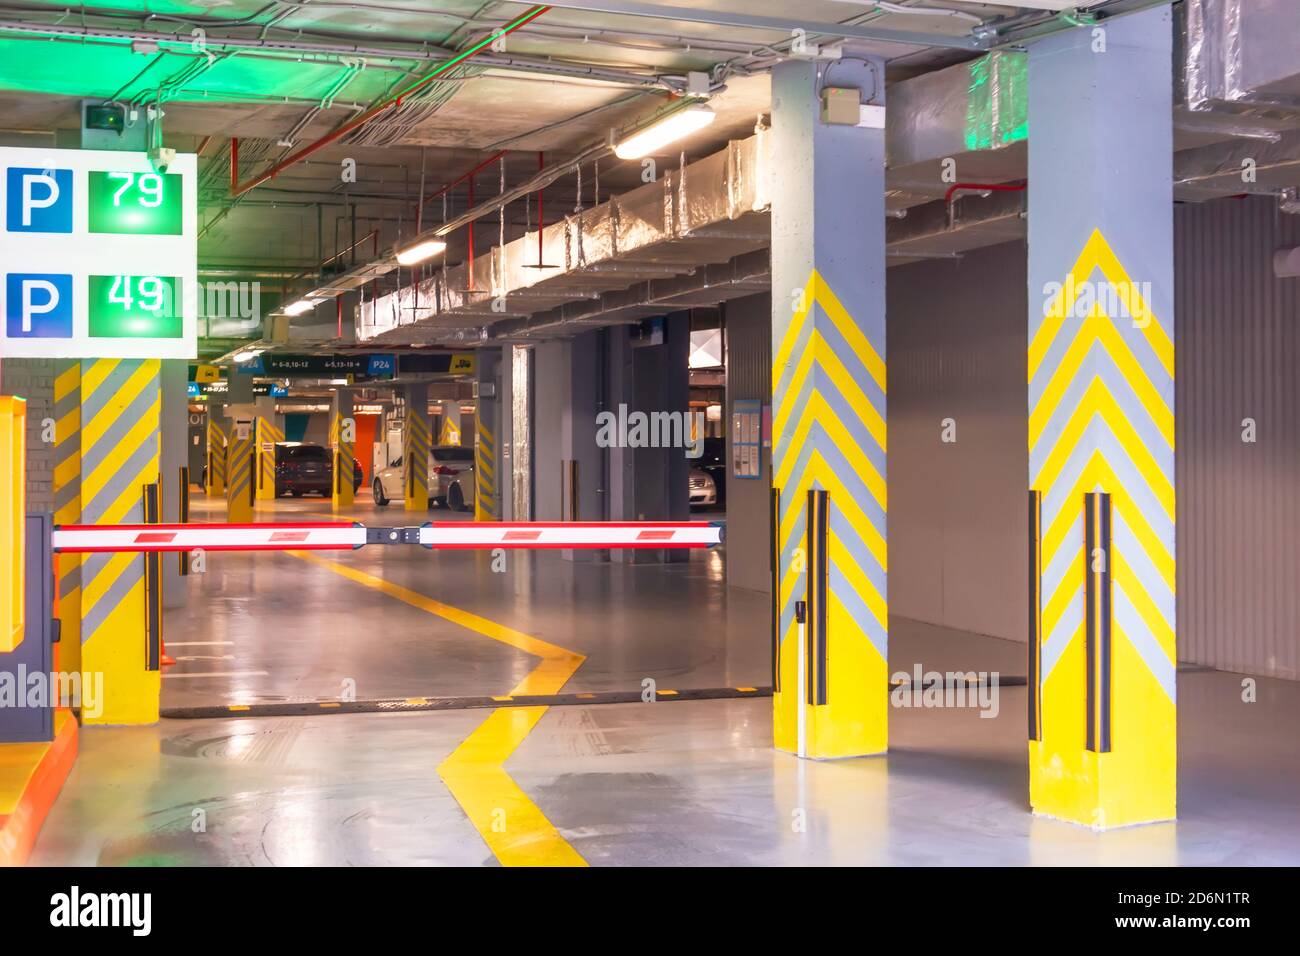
131	574
126	419
129	473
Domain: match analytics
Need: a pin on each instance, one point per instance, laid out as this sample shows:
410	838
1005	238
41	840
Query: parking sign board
99	255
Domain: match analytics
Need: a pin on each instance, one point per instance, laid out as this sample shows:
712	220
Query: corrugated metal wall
957	517
956	512
749	375
1238	357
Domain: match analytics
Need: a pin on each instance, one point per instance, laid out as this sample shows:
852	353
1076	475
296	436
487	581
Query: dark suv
302	468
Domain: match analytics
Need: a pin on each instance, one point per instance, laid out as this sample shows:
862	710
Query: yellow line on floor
514	827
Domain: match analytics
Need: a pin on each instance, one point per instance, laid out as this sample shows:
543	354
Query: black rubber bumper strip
407	705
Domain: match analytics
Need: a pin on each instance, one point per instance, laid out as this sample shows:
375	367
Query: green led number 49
134	307
137	203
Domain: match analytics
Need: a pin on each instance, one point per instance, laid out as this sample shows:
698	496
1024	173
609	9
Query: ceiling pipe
238	189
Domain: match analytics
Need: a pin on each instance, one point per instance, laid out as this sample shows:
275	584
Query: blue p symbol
39	200
38	306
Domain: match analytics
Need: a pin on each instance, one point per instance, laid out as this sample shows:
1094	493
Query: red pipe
991	187
234	164
238	189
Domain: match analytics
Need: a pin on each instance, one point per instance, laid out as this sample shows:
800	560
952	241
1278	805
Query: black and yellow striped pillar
342	440
487	426
240	487
13	521
120	408
217	440
416	436
268	434
67	506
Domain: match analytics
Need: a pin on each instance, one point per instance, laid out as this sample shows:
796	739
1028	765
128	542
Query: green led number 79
135	203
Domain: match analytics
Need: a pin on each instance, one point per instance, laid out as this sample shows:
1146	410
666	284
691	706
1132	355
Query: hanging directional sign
99	255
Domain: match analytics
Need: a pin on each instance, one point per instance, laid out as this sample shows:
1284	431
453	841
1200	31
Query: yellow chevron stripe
818	470
794	329
1126	578
1098	474
139	432
1097	401
819	410
94	375
67	381
100	584
131	389
1097	254
852	572
851	333
1098	328
819	351
132	494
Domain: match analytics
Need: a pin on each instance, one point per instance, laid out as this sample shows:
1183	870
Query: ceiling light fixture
420	251
299	307
667	130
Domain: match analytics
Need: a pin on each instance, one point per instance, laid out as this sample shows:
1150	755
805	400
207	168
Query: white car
703	490
451	479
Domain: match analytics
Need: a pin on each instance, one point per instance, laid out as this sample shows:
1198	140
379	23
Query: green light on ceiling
997	107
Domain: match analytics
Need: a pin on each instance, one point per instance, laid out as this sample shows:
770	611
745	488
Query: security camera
161	157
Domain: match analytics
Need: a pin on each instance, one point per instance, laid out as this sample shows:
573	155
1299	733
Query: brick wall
33	379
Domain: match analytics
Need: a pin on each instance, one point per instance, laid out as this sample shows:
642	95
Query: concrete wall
33	379
749	375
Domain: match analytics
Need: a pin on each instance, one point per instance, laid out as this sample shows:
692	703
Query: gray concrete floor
656	784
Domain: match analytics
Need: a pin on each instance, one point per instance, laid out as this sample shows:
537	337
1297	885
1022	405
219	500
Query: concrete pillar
449	422
120	407
828	400
1102	722
174	435
487	437
217	438
343	433
240	437
67	506
567	462
270	430
415	447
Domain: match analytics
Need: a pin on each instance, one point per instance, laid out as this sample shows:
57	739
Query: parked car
713	461
451	479
703	492
302	468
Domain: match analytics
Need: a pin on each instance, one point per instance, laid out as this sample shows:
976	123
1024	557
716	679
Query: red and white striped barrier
338	536
267	536
570	534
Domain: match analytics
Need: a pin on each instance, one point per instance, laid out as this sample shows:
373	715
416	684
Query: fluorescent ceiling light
420	251
242	357
668	130
299	307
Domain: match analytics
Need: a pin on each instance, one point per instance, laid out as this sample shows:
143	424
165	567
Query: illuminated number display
135	203
135	307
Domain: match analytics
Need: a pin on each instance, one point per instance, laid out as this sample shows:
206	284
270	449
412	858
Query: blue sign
382	366
39	200
194	389
38	306
279	391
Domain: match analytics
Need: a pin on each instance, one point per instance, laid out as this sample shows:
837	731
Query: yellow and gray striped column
343	431
415	448
487	426
828	420
1102	657
269	431
241	488
217	438
67	505
119	414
